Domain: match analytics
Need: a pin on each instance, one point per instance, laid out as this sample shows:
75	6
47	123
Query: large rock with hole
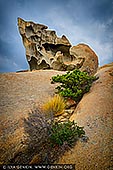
95	113
45	50
43	46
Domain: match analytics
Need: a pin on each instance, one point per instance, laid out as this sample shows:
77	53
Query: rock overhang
45	50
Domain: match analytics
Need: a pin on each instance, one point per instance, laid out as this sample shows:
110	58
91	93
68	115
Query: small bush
45	136
73	84
67	132
55	105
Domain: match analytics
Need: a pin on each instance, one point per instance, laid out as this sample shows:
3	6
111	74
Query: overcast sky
82	21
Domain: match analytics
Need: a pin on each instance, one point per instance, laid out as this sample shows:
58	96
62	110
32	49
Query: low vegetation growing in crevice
67	132
55	105
73	84
46	140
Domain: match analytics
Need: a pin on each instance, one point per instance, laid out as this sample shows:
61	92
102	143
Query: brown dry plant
56	105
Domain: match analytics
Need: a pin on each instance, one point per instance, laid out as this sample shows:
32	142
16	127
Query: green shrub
73	84
67	132
44	136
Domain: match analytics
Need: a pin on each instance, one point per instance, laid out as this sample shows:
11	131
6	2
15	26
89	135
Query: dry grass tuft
55	105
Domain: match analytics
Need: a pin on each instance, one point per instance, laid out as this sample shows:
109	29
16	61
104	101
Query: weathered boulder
95	114
42	45
85	57
45	50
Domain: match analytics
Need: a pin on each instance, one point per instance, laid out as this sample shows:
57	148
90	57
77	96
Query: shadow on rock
38	148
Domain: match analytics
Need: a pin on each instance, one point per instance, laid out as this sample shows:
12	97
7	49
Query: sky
82	21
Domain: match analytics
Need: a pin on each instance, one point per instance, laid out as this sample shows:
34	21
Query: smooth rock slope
19	93
95	113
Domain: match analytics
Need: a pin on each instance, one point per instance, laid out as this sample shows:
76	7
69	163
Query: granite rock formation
85	57
45	50
20	92
95	113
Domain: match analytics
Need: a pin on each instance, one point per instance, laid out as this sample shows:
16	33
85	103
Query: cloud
89	22
12	55
10	65
7	65
91	32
